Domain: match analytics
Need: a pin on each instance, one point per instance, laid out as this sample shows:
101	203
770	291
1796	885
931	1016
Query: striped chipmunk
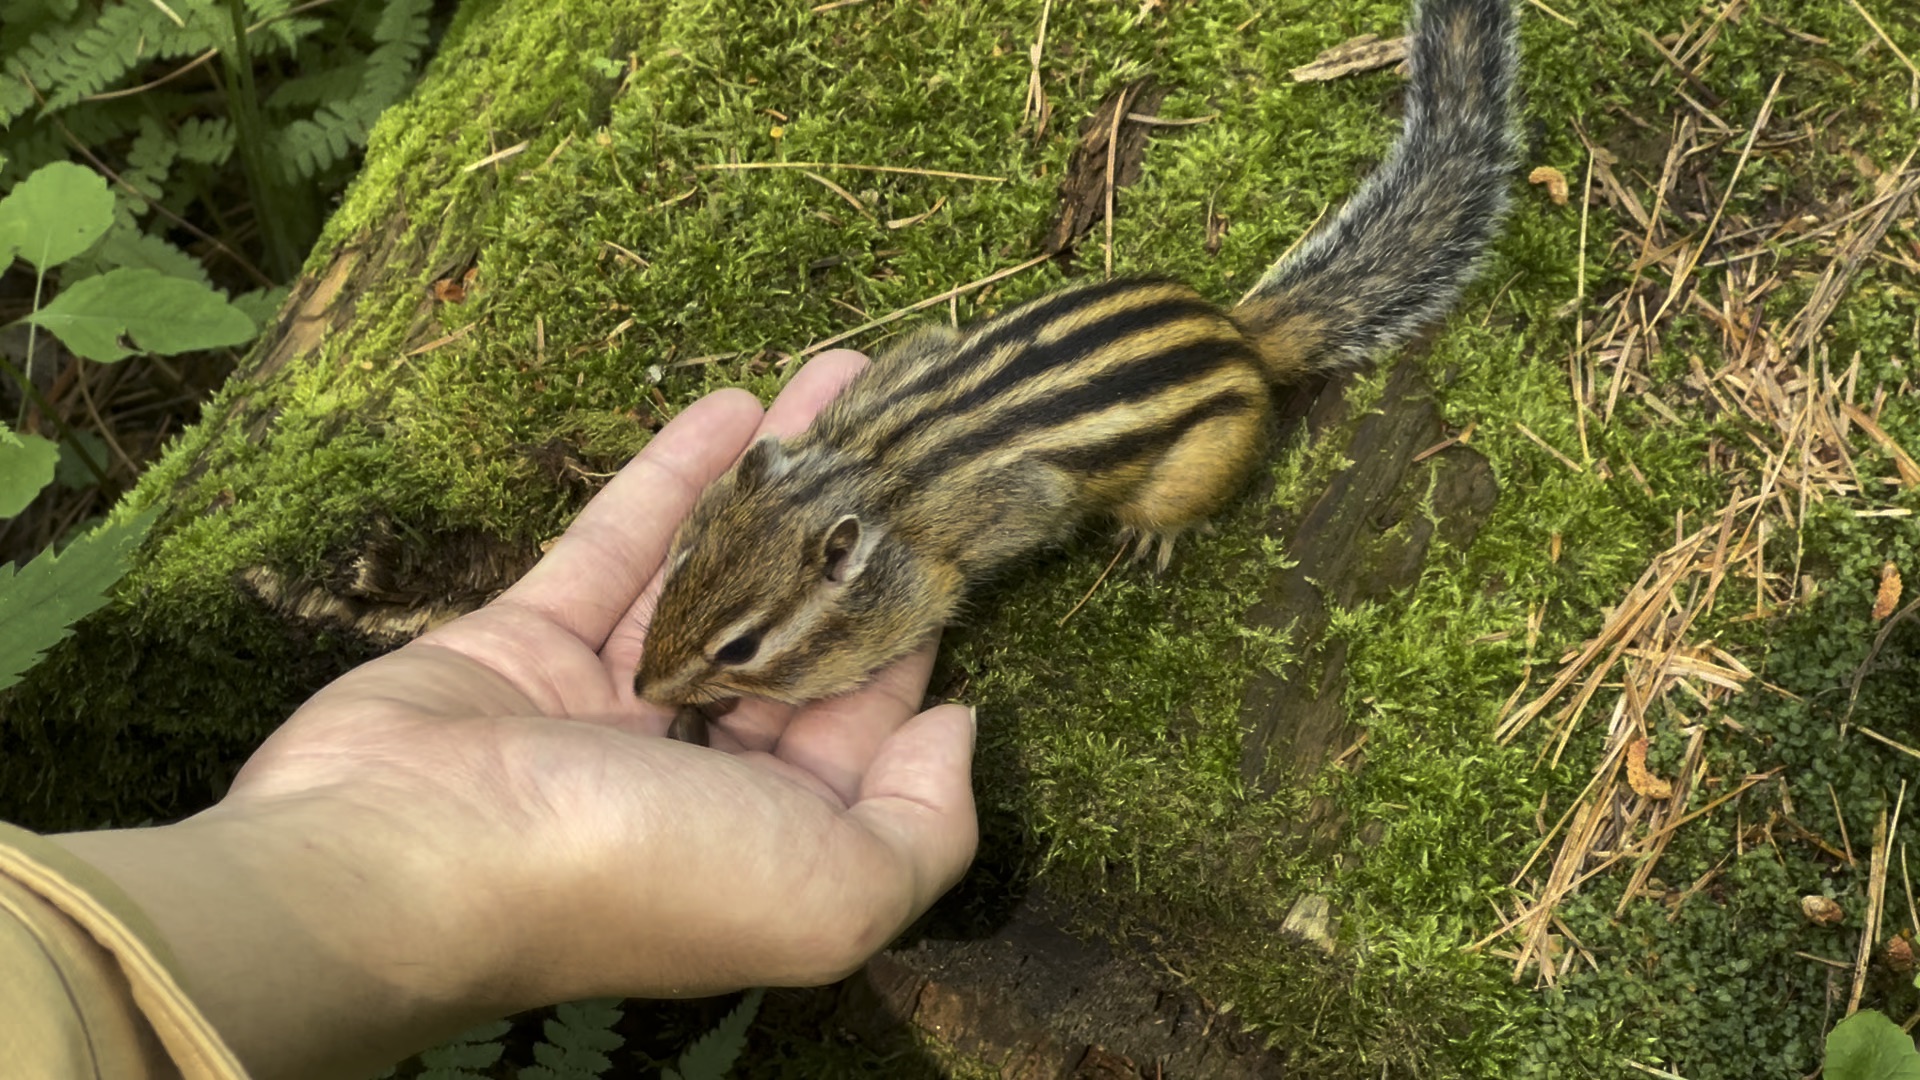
822	558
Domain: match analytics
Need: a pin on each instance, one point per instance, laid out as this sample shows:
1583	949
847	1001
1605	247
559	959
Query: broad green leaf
72	471
40	603
53	215
26	465
1868	1046
160	314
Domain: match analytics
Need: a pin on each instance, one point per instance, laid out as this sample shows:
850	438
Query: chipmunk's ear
765	460
846	548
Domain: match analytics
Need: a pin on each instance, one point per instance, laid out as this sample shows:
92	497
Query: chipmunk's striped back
1098	383
822	558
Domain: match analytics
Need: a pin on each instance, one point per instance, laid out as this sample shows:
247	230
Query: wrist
315	935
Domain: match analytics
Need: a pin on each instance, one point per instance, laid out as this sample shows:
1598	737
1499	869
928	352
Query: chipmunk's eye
739	650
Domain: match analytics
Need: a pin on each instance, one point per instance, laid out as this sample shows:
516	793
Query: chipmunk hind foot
1145	540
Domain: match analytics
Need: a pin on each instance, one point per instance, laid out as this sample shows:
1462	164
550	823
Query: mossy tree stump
541	262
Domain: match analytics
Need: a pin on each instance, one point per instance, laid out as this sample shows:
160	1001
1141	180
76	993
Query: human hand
486	819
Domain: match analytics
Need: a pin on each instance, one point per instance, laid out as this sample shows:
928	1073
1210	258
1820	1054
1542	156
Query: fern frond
43	59
346	111
15	98
260	10
27	16
126	245
577	1041
338	80
150	159
308	147
104	52
465	1054
206	141
38	146
712	1055
404	22
102	123
288	34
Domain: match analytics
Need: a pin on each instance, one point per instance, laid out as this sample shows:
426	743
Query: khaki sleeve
86	989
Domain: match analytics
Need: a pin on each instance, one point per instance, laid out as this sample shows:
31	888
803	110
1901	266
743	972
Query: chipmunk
822	558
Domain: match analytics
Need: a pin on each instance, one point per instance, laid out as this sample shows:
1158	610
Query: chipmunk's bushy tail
1398	253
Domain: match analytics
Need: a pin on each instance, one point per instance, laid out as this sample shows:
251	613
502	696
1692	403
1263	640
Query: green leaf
128	246
27	463
161	314
40	604
72	472
206	141
576	1039
465	1055
712	1055
1868	1046
262	305
55	214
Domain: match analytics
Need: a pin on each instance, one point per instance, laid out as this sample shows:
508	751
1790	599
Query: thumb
917	798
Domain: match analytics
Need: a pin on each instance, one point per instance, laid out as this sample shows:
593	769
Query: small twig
239	260
1913	89
1579	320
1913	910
1876	898
1036	103
1550	11
739	166
1691	258
1161	121
198	61
109	95
1842	819
958	290
1091	589
909	222
1297	241
1629	850
1879	642
1548	447
1879	738
446	339
498	156
1651	1071
846	196
1113	151
106	433
1841	964
637	260
1852	252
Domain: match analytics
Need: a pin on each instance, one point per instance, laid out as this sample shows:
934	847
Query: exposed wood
1042	1004
1083	190
1364	539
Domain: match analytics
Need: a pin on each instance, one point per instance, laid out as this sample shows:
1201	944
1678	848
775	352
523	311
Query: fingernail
973	719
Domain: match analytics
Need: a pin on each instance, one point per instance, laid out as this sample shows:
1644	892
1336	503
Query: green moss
1109	762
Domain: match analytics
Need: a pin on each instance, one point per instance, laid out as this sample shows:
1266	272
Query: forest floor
1625	784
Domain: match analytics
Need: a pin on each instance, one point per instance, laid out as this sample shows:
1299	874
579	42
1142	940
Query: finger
837	739
597	569
753	725
818	383
918	799
805	395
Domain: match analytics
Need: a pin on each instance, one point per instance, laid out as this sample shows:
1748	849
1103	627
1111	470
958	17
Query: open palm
508	749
